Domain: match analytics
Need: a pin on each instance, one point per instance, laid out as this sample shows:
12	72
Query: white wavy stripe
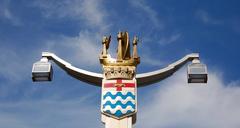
115	92
118	98
118	107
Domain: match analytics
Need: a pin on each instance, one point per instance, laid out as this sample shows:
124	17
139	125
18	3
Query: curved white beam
148	78
143	79
83	75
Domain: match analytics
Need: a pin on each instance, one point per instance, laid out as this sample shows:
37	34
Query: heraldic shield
119	98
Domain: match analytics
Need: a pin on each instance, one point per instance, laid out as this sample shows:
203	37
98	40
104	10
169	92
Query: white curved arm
143	79
83	75
148	78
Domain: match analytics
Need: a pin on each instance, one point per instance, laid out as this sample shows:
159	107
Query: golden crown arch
124	66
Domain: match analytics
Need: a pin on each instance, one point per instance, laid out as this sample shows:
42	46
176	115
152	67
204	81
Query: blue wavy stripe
118	94
129	103
119	113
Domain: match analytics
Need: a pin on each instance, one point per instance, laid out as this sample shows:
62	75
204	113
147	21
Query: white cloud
151	61
82	50
150	13
49	114
85	48
148	58
7	15
14	65
178	104
206	18
88	12
95	15
169	40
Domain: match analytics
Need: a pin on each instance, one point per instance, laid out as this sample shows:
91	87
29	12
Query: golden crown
124	57
125	64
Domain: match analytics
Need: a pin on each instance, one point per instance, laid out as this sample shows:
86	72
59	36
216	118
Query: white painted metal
83	75
197	72
42	70
44	59
196	61
115	123
143	79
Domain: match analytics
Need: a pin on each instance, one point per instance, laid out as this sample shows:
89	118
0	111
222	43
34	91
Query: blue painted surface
118	94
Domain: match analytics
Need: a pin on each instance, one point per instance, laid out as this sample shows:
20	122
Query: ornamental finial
124	65
124	57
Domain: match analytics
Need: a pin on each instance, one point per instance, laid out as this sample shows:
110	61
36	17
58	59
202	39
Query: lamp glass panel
41	67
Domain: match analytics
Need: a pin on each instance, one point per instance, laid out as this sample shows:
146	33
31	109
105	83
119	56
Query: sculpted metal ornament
119	81
119	87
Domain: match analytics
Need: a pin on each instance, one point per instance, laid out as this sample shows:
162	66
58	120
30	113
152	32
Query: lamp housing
197	73
42	71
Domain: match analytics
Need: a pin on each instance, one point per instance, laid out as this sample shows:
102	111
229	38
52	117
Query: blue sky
168	30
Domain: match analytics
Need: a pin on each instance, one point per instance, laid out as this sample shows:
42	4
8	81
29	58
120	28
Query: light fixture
197	72
42	70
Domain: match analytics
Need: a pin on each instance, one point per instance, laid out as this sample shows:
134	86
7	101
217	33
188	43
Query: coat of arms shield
119	98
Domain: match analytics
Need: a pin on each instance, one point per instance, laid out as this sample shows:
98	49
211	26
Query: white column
115	123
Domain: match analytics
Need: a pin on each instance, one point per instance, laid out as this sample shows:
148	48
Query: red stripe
129	85
109	85
119	81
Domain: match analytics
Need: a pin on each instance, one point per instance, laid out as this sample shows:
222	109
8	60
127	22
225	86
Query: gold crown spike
124	65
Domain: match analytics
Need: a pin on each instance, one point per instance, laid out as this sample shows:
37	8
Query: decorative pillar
119	89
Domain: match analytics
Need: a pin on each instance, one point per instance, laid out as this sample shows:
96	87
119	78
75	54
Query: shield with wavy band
119	98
